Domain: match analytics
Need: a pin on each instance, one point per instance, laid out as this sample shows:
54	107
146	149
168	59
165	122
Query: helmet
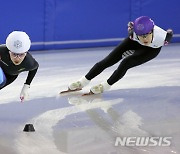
18	42
143	25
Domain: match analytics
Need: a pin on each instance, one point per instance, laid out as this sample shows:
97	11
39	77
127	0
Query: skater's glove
130	29
24	92
168	36
130	25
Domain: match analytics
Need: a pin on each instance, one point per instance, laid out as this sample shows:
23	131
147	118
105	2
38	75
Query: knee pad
2	78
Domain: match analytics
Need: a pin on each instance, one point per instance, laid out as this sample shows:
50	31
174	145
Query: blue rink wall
57	24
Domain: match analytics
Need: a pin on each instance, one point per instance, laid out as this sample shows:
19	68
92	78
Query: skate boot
98	89
78	85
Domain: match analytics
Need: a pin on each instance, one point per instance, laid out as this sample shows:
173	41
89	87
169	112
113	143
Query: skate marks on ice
127	124
42	141
109	123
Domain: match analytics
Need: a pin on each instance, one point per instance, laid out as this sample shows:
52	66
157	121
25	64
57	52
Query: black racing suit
12	71
142	54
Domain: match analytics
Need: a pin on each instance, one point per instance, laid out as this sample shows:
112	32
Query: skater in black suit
143	44
14	59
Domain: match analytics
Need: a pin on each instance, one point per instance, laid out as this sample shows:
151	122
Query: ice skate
98	89
76	86
69	90
88	94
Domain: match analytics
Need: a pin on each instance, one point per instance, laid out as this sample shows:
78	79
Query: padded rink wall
58	24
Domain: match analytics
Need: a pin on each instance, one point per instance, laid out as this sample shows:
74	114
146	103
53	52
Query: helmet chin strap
152	35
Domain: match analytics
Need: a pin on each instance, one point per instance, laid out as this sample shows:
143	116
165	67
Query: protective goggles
145	35
19	55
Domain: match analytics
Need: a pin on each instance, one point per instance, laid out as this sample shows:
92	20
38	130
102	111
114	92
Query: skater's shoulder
3	47
30	61
159	30
29	57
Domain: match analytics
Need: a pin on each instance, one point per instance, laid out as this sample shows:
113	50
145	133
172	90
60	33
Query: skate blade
88	94
67	91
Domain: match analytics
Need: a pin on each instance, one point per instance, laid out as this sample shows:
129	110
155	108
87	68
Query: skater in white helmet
144	43
14	59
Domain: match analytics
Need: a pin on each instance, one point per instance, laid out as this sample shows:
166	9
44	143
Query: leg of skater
139	57
111	59
9	80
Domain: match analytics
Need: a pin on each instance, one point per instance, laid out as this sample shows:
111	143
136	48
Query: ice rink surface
146	102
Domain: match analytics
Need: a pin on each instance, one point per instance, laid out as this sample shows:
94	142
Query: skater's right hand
130	29
130	25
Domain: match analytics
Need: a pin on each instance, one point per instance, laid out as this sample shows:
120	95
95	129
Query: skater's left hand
24	92
168	36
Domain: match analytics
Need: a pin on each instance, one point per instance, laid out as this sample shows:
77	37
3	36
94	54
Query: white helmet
18	42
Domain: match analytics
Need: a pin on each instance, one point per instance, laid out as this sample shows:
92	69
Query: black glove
130	29
168	36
